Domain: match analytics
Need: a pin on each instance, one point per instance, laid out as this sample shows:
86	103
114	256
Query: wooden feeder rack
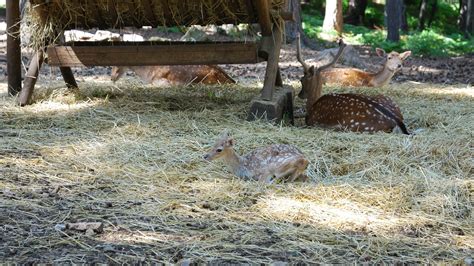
118	53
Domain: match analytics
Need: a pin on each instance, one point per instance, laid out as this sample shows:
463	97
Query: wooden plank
130	54
13	47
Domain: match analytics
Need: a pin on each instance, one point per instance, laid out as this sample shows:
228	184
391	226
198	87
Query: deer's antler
342	45
298	53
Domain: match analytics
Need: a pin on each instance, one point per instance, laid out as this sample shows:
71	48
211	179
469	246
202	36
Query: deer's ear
380	52
404	55
230	142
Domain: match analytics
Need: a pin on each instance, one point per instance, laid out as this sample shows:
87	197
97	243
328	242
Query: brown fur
355	112
357	78
176	75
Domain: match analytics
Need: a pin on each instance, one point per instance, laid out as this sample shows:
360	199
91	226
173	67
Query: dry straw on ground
131	157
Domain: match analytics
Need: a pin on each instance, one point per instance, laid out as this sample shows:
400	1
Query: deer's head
394	60
221	147
312	80
117	72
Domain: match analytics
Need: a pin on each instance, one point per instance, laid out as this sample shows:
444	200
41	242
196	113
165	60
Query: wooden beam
31	78
263	10
272	65
142	53
13	47
68	77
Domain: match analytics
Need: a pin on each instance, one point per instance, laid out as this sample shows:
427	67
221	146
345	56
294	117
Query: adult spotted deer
176	75
267	164
358	78
354	112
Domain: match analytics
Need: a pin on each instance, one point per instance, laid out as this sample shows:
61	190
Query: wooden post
13	47
31	78
68	77
272	64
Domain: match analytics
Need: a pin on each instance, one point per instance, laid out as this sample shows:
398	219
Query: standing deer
268	164
176	75
355	112
358	78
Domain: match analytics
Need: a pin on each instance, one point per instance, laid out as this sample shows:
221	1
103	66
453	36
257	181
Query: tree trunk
422	15
428	9
293	27
404	23
393	12
356	12
470	18
333	16
462	19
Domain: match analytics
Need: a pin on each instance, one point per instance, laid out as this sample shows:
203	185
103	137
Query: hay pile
131	157
48	18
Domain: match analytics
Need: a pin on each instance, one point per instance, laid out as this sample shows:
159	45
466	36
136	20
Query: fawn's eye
219	150
389	57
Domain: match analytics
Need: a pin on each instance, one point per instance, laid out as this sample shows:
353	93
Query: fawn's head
117	72
221	147
312	79
394	60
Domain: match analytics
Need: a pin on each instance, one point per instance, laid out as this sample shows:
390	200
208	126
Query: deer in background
268	164
175	75
354	112
358	78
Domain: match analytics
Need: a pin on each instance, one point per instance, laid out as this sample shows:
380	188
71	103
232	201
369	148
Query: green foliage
442	39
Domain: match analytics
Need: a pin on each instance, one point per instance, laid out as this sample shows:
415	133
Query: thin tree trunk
404	22
470	18
462	19
422	15
393	11
293	27
356	12
333	16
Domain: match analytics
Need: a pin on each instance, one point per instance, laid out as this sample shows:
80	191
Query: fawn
358	78
266	164
355	112
175	75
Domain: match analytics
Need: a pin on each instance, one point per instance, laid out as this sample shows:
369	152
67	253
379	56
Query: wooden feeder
107	14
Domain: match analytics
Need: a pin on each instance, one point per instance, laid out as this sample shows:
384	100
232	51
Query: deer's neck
315	92
233	161
145	73
382	77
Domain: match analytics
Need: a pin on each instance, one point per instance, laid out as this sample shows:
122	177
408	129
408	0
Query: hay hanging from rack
50	17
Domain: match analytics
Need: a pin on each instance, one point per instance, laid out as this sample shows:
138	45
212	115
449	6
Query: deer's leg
31	78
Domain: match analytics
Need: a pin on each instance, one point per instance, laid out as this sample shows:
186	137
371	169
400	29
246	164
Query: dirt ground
130	157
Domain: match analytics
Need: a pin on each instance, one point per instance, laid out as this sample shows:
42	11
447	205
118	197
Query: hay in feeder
48	18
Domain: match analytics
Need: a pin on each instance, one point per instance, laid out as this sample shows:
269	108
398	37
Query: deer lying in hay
358	78
266	164
176	75
354	112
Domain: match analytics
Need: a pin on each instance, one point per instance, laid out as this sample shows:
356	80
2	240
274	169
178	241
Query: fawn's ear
404	55
230	142
380	52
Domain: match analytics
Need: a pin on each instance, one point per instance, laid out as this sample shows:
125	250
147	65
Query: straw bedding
131	158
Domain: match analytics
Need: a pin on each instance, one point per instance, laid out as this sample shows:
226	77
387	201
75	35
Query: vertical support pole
68	77
13	47
272	65
31	78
